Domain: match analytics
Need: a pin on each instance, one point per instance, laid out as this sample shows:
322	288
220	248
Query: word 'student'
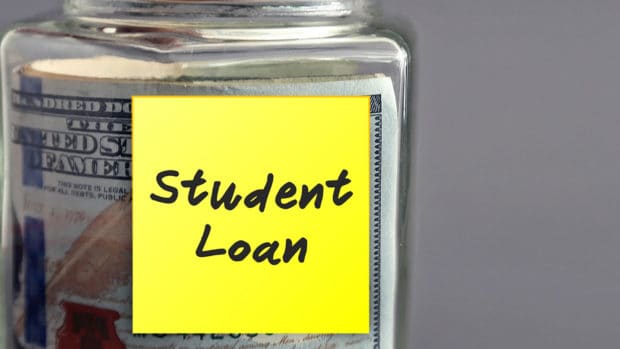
285	196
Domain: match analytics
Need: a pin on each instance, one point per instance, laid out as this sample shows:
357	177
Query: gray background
518	194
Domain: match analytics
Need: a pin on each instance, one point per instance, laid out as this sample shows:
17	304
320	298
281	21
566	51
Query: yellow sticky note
251	214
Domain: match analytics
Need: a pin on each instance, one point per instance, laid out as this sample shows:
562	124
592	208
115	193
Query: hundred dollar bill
69	146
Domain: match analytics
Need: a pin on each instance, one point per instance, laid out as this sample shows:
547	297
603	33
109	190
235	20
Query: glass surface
190	44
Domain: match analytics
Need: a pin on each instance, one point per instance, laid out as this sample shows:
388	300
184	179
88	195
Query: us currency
70	202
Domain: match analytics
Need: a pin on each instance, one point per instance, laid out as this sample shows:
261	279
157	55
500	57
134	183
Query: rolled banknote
70	197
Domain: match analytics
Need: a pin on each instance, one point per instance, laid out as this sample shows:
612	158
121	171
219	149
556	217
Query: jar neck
221	10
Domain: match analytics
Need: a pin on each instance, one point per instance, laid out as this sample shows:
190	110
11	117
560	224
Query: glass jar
67	86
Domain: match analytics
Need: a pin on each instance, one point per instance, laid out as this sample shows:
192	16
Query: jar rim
220	8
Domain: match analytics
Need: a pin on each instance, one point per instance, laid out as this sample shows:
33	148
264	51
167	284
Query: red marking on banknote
87	327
